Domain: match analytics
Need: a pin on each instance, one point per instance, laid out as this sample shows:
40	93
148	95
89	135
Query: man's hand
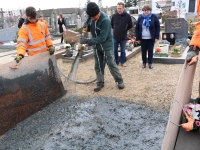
193	60
18	58
191	57
83	40
51	50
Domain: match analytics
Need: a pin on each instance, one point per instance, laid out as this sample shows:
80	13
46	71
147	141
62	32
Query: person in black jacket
121	22
21	21
61	22
147	32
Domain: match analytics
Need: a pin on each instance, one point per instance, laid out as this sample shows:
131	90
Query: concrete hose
78	82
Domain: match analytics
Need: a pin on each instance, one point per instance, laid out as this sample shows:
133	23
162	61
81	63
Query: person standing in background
21	21
41	19
121	22
61	23
147	32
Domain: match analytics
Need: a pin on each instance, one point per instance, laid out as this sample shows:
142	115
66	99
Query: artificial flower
195	114
197	123
191	114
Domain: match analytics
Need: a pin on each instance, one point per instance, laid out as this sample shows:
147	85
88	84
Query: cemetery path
151	87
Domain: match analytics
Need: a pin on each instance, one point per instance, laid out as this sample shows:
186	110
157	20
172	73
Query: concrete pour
98	123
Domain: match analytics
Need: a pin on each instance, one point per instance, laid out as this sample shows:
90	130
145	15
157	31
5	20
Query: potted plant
176	51
68	50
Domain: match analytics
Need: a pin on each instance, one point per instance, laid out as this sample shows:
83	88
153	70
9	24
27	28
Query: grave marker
179	26
9	34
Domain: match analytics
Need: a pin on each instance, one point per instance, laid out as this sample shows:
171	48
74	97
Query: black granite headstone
179	26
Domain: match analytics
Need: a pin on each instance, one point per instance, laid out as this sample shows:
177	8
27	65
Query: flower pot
176	54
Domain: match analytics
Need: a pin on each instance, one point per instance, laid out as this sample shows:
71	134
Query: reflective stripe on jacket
33	37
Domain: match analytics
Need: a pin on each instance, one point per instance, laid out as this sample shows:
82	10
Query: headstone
9	34
78	23
5	25
179	26
2	16
67	21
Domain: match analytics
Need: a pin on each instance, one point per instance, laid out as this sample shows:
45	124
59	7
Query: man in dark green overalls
101	40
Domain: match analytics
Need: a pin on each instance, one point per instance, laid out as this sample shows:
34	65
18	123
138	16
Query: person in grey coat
100	28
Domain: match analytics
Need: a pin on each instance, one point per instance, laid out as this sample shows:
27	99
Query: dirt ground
151	87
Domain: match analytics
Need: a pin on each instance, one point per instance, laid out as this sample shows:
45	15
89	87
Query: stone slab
26	90
8	46
171	60
8	55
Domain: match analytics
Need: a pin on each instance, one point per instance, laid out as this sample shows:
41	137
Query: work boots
98	87
121	84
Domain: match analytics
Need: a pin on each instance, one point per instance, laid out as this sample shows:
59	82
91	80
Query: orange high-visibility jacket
195	41
33	37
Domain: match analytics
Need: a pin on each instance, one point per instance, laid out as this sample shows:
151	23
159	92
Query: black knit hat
92	9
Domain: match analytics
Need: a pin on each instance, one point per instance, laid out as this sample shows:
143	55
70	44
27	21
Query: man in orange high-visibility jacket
41	19
33	36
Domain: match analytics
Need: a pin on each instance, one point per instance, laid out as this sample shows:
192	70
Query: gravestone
78	23
67	21
9	34
179	26
5	25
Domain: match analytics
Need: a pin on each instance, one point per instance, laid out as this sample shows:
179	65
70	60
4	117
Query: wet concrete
99	123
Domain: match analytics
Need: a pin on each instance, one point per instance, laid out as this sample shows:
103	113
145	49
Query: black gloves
18	58
192	55
83	40
51	50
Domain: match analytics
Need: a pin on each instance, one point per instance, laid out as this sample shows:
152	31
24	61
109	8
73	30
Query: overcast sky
49	4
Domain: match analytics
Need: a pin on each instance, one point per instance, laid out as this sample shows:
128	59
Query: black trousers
61	37
147	45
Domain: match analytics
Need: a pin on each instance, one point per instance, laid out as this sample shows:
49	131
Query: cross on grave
1	12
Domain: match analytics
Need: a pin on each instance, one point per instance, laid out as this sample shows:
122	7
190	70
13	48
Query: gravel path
151	87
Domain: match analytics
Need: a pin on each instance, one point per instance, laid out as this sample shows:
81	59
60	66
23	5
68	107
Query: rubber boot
98	87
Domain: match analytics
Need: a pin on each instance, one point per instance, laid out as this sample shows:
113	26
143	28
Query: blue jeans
147	45
122	58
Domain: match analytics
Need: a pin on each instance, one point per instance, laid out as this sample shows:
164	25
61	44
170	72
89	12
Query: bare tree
180	8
